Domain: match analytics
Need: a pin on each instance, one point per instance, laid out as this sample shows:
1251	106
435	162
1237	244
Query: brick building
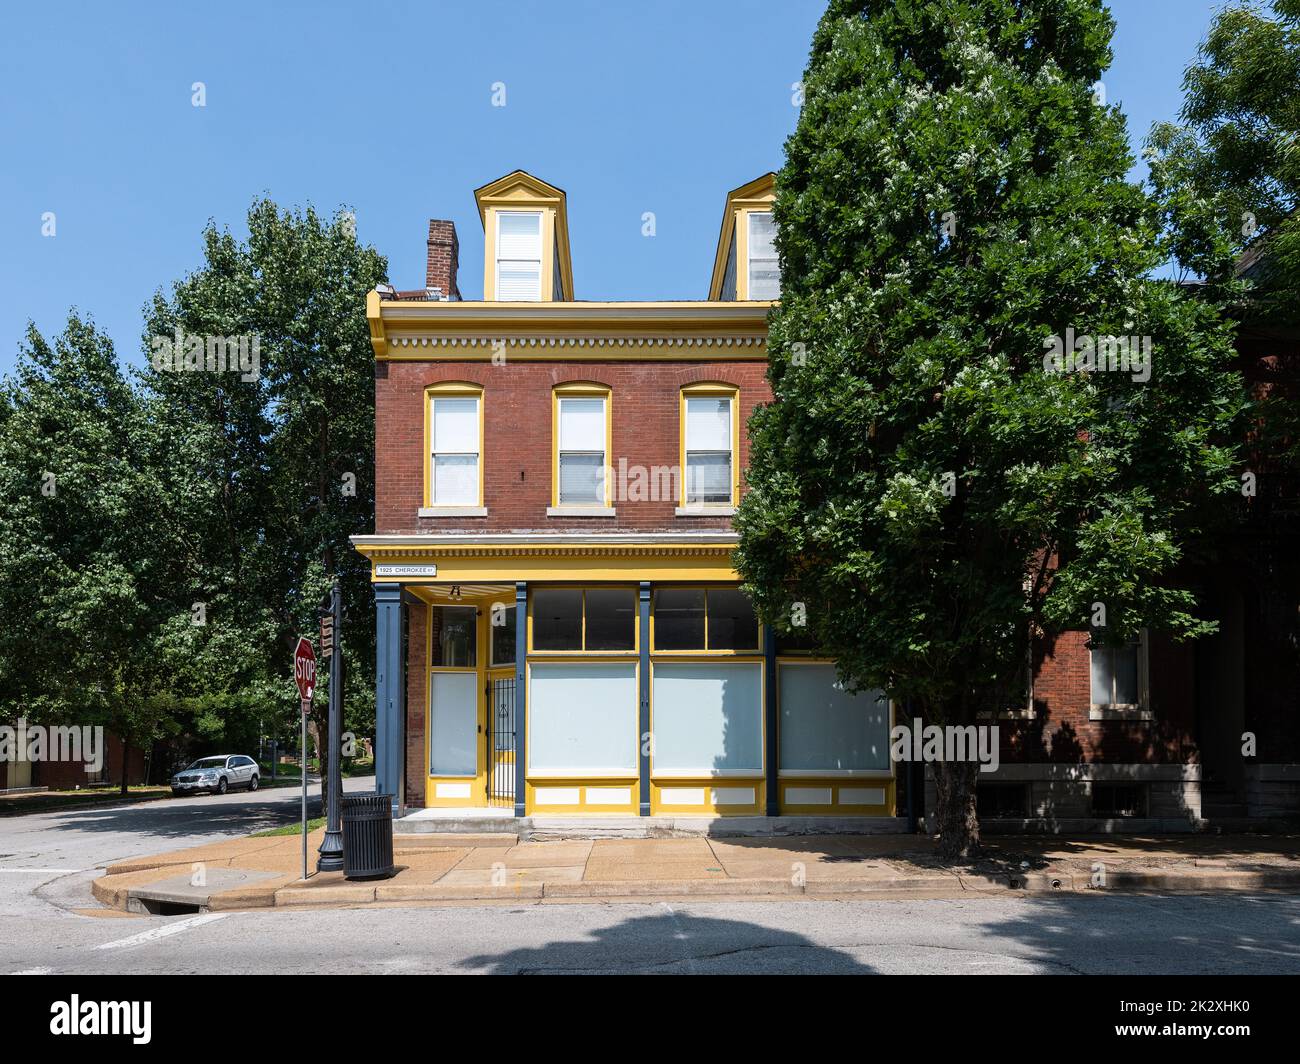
561	631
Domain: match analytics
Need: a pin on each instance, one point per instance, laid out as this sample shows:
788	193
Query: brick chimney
444	258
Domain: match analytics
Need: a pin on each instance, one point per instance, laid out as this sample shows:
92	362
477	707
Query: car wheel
175	793
223	786
252	784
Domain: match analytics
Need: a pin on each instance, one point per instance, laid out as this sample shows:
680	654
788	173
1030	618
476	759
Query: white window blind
708	450
582	452
455	451
582	719
764	269
519	255
708	718
824	728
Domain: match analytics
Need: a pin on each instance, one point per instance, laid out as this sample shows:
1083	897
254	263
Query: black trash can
367	821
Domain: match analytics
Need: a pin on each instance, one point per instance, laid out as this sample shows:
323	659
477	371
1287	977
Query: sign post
304	675
331	847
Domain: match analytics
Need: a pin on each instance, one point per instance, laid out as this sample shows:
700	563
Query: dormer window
519	255
764	270
745	266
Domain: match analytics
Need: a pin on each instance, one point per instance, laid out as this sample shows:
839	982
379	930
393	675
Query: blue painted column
771	726
390	692
521	697
643	716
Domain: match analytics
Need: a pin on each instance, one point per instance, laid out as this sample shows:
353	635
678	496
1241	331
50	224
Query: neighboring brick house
560	628
67	775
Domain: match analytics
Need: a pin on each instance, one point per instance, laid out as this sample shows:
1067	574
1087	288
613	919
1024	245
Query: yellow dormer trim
757	195
520	191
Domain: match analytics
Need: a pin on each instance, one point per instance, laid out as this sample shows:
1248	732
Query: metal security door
501	741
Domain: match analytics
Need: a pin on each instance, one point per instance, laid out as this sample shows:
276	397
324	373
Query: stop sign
304	669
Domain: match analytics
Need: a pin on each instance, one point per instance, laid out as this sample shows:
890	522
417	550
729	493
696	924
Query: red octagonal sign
304	669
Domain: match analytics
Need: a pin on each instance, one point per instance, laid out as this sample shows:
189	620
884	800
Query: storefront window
707	718
557	619
582	719
611	618
502	624
732	624
825	728
453	630
679	618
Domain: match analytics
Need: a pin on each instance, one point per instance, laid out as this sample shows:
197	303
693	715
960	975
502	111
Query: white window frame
1141	710
541	228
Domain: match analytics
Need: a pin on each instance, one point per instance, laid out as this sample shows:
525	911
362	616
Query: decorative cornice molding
578	341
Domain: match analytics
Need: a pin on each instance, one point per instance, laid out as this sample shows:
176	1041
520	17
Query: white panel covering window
708	718
1115	675
519	255
708	449
582	451
826	729
582	719
764	269
455	451
453	724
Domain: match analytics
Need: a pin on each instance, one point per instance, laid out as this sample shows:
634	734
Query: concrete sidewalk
265	872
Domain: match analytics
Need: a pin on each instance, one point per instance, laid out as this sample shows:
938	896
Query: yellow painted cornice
470	331
520	190
533	558
756	195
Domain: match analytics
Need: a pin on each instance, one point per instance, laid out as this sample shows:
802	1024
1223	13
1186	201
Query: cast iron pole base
331	852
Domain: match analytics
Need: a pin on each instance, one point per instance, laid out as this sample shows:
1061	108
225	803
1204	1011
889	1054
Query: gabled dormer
526	241
746	267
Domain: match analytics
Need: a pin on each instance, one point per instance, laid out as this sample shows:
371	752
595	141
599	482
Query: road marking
166	931
43	871
35	971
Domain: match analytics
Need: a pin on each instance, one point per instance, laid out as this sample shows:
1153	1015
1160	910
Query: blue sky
386	109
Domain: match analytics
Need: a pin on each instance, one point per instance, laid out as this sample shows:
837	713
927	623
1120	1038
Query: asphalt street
47	862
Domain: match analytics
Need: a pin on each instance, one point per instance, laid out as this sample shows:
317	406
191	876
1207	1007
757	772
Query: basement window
1001	800
1118	800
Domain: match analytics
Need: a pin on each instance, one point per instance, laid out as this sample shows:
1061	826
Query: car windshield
209	762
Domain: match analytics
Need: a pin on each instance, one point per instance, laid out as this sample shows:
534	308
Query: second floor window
455	459
708	449
582	450
764	269
519	255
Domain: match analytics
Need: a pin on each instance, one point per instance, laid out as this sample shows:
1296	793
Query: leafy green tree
83	543
275	452
926	484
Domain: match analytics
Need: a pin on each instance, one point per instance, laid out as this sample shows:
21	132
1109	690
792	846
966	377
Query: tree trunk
959	828
126	764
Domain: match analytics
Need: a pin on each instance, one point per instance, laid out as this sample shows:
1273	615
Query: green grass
45	801
291	829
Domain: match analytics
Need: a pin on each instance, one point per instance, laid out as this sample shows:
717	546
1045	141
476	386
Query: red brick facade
517	438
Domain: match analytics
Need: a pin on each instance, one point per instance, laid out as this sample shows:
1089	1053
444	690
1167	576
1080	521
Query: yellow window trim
703	390
580	390
521	191
756	196
702	652
584	654
449	390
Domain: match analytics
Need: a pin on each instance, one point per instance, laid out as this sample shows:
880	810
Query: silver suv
216	775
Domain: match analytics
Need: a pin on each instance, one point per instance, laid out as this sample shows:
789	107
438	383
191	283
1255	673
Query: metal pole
303	762
331	847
